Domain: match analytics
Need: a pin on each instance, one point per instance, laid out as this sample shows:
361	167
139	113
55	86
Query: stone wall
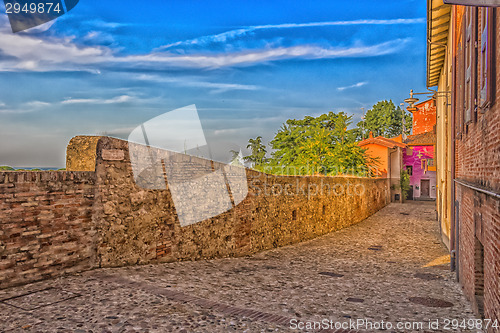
81	153
58	222
139	226
46	226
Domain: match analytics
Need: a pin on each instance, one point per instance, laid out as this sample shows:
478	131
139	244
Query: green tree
404	183
318	145
6	168
384	119
258	149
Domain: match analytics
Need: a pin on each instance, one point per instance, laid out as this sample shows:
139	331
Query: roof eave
438	18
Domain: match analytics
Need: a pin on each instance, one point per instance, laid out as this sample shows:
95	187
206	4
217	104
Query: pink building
418	160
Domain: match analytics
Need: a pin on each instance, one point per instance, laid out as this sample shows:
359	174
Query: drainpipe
454	233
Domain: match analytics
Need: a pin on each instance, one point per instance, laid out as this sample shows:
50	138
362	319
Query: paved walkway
387	268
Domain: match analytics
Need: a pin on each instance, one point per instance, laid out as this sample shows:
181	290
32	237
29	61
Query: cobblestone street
391	267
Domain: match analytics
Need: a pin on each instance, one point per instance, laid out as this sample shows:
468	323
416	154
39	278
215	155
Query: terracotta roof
423	139
381	141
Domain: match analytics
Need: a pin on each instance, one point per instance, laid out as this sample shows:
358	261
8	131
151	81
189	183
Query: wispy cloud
15	111
26	107
250	57
356	85
98	23
236	33
227	131
114	100
37	53
37	104
215	87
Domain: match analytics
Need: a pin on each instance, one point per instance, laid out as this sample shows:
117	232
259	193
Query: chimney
370	135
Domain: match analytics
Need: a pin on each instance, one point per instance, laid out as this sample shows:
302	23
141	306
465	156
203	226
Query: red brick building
463	59
424	117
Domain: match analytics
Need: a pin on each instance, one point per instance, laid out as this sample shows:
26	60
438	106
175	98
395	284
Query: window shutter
468	66
474	63
486	57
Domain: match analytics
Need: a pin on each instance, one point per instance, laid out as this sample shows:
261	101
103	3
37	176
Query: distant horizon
31	168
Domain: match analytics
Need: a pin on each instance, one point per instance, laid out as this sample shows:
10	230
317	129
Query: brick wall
478	163
46	226
53	223
478	142
480	232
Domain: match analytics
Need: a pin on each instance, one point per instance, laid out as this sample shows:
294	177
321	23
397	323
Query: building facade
423	116
389	156
463	57
419	162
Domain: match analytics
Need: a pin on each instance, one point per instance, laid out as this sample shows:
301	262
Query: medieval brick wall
479	250
46	226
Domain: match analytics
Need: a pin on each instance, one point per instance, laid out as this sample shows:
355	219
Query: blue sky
108	66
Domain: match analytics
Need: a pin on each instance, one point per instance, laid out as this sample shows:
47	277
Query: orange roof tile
381	141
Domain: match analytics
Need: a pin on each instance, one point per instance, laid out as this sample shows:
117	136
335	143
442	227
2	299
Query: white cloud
216	87
35	53
16	111
114	100
232	34
227	131
356	85
26	107
37	104
212	61
98	23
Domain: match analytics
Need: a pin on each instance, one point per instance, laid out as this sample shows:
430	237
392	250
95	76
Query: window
460	76
470	63
486	57
409	170
430	162
479	276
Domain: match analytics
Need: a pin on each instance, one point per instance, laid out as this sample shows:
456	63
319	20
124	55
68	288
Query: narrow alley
391	267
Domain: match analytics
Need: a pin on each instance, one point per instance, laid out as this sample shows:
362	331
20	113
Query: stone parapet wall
140	226
53	223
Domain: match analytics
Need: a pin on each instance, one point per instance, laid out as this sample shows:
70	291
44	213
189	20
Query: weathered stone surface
52	223
81	153
113	155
